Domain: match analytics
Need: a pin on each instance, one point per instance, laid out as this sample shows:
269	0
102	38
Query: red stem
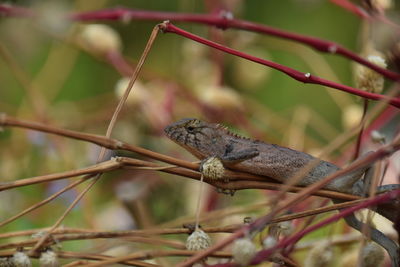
265	254
295	74
224	23
351	7
219	21
359	11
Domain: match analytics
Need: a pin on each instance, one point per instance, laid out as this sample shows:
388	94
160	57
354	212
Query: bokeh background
54	71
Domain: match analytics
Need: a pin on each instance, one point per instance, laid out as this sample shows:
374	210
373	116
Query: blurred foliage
66	85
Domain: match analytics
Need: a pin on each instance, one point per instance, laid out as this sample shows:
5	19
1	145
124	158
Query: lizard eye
190	128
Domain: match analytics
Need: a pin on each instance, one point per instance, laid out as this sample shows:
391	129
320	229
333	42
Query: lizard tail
377	236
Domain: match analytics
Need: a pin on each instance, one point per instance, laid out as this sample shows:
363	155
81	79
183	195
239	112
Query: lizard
205	140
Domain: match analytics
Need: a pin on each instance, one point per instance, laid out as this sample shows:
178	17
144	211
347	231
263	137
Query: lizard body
205	140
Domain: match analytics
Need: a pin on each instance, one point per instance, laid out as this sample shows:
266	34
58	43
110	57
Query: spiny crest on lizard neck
226	131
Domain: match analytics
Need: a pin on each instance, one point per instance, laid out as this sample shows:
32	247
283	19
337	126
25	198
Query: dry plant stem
62	235
41	203
34	98
154	254
108	135
368	220
251	180
262	255
260	223
361	133
238	180
92	170
341	240
43	239
198	206
99	257
95	139
297	75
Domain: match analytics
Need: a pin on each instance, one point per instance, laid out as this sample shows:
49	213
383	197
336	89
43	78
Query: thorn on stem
332	49
163	26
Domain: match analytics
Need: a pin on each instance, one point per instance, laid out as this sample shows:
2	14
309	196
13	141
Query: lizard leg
377	236
389	210
388	244
233	157
387	187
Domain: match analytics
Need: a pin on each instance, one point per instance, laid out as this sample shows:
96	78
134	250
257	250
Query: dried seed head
212	168
351	116
282	228
49	259
269	242
198	240
369	80
6	262
20	259
243	251
220	97
319	256
247	74
138	94
52	16
100	38
286	228
382	4
377	137
248	220
372	255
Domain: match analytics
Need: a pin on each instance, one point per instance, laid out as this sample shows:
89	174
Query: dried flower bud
320	255
220	97
138	94
100	38
382	4
372	255
49	259
198	240
283	228
377	137
369	80
248	74
6	262
269	242
351	116
52	16
243	251
286	228
212	168
248	220
21	259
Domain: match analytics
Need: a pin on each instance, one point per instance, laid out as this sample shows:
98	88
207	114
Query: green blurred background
47	74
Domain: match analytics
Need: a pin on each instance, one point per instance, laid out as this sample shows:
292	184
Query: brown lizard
205	140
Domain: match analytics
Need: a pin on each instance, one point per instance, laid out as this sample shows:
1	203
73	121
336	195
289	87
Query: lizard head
200	138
